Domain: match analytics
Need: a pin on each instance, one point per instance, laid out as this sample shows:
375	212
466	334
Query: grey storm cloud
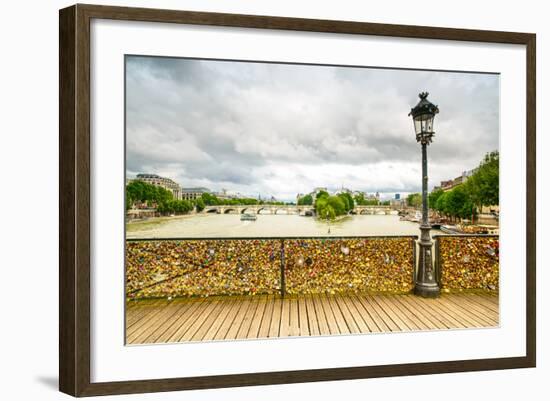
281	129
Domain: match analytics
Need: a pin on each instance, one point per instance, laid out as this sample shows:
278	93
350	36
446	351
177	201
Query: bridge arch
214	210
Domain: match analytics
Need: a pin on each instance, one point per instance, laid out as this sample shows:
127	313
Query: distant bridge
260	209
374	209
292	209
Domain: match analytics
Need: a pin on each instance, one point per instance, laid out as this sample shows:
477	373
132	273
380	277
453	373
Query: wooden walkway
224	318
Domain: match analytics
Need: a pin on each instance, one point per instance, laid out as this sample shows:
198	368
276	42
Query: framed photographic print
250	200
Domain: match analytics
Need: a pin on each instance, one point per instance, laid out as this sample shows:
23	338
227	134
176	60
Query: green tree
348	201
483	185
305	200
414	200
210	199
139	191
330	207
199	205
321	194
433	198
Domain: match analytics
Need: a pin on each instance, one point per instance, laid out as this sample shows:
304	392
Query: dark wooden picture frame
74	199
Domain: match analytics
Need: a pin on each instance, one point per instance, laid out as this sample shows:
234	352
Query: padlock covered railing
467	262
179	267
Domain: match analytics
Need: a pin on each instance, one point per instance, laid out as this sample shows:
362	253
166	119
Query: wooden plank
258	316
324	328
444	313
483	314
247	319
239	317
338	315
488	303
285	318
416	316
138	304
214	318
228	320
266	319
153	337
432	321
459	313
139	333
494	299
331	320
149	315
195	319
217	322
303	317
471	312
180	322
313	323
140	311
380	316
403	323
294	322
208	321
412	318
275	325
365	315
348	317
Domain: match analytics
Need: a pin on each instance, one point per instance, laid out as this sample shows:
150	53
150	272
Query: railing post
413	240
437	262
283	284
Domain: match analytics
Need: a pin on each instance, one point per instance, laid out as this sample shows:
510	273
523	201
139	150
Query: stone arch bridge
260	209
301	210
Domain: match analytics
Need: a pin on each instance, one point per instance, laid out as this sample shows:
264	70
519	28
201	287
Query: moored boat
449	229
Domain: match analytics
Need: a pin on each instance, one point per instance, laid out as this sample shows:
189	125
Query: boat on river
248	217
448	229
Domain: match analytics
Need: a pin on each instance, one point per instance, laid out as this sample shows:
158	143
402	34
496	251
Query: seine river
230	225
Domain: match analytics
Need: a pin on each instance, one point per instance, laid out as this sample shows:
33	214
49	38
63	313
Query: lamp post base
427	290
426	284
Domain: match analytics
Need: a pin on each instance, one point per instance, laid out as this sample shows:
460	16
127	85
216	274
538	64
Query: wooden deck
225	318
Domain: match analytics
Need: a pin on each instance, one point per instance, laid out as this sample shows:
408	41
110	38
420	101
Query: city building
223	194
450	184
344	191
163	182
398	203
193	193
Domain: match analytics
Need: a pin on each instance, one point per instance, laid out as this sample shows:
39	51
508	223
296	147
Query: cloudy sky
276	129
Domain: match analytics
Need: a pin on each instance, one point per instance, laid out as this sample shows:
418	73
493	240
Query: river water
230	225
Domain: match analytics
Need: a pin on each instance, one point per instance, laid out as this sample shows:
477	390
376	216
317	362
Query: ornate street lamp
423	118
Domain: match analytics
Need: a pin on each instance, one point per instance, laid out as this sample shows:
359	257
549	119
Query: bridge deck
223	318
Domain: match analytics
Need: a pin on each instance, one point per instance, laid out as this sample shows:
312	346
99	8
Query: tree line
156	197
163	200
466	200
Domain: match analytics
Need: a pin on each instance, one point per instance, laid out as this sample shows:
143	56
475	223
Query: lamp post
423	117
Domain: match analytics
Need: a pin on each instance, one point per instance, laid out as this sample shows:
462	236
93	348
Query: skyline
281	129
